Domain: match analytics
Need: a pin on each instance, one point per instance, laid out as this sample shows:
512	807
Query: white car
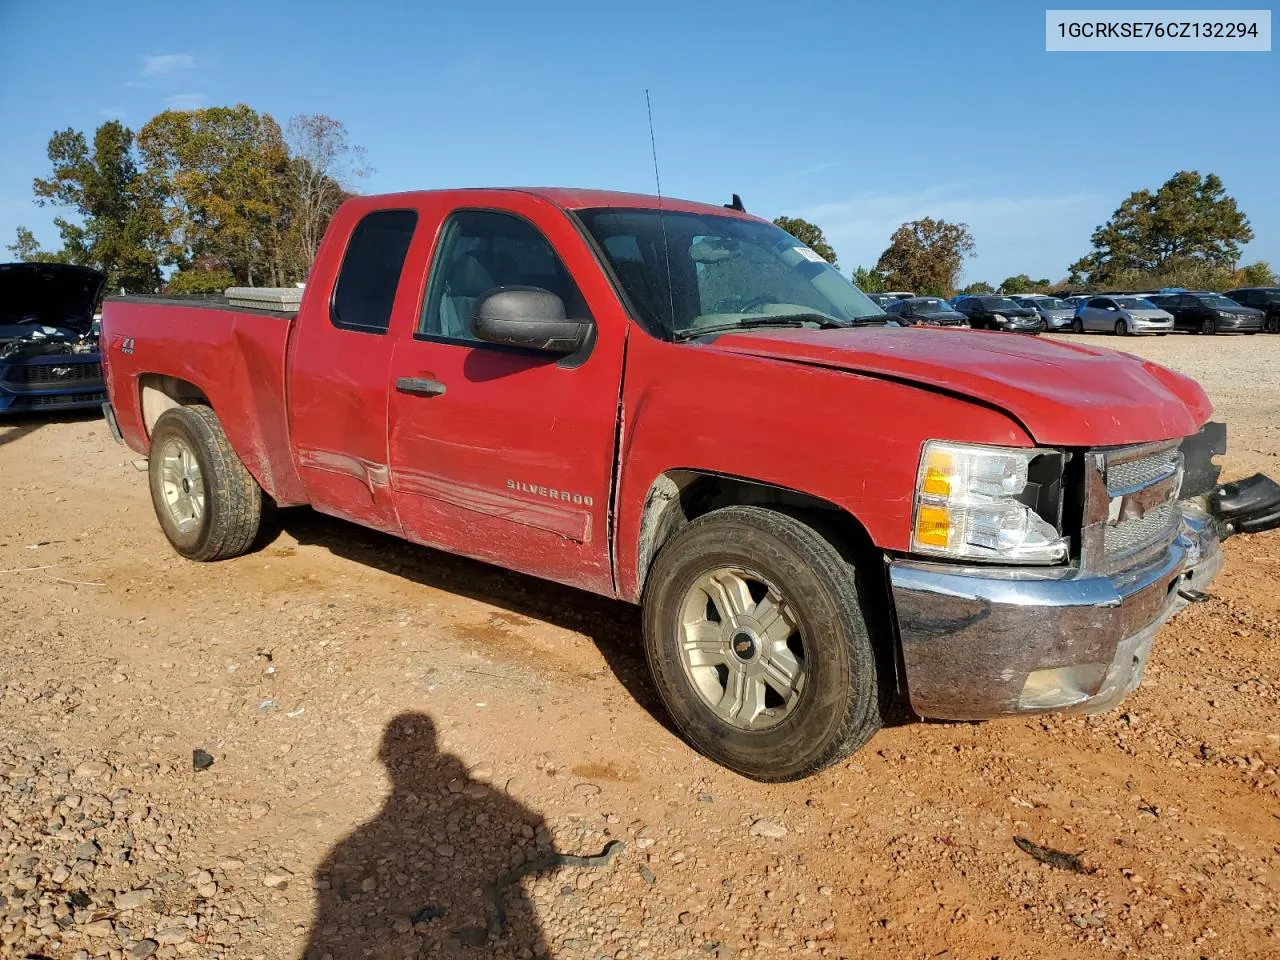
1121	315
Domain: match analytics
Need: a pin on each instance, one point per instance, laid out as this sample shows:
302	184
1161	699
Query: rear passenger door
340	355
1089	313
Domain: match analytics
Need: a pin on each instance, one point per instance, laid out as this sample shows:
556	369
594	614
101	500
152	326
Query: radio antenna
666	246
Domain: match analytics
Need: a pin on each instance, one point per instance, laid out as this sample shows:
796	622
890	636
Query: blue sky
856	116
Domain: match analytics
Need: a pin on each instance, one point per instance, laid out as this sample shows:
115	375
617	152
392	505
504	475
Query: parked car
533	391
1266	299
1121	315
48	351
1056	314
1211	313
1000	313
926	311
882	300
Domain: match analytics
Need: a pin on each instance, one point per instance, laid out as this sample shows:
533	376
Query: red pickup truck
682	406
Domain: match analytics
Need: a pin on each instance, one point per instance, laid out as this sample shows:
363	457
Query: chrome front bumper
980	642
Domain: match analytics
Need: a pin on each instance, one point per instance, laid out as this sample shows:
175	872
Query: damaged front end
49	353
1251	505
981	641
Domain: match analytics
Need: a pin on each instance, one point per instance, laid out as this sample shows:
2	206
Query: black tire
1122	328
1077	325
846	690
232	504
1209	326
1273	323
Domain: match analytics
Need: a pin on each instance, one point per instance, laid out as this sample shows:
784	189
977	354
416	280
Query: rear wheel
758	645
1209	325
208	504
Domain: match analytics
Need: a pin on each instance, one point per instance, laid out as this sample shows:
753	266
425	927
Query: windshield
931	306
1053	303
1135	303
1221	302
999	303
723	271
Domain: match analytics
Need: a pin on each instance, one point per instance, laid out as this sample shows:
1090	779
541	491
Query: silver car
1121	315
1056	314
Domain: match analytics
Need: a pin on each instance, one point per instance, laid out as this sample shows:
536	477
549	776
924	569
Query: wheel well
679	496
160	392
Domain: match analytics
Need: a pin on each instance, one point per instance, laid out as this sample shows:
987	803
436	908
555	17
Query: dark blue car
49	356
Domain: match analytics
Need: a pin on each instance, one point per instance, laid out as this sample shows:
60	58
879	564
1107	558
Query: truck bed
238	358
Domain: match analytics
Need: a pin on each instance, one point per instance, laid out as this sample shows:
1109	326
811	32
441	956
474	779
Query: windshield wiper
772	320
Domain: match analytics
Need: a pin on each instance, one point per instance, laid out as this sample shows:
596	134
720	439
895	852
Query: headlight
989	503
1225	313
999	317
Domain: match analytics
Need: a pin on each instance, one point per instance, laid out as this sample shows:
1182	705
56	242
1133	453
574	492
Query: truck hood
56	295
1063	394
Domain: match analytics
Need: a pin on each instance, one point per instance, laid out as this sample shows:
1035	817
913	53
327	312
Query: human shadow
426	877
613	626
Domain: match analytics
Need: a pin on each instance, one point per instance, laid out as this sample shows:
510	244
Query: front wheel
1077	325
1273	324
1209	325
1122	328
758	646
208	504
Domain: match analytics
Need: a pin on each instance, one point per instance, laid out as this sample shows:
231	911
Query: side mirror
528	317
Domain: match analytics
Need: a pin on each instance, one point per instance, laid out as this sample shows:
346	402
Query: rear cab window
371	266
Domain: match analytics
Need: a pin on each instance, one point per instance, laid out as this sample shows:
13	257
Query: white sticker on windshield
808	254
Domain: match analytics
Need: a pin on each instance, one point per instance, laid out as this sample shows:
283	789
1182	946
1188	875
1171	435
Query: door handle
420	386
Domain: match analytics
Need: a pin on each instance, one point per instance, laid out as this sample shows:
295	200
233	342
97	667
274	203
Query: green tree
200	281
118	226
223	171
925	256
1189	226
1021	283
27	249
867	280
978	288
810	235
1257	274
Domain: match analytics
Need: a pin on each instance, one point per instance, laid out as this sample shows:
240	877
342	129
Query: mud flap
1250	505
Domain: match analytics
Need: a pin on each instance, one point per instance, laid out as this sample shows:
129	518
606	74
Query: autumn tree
925	256
223	171
1257	274
978	288
323	168
867	280
115	222
1188	228
810	234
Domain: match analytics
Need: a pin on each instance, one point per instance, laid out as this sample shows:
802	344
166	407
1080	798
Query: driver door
500	453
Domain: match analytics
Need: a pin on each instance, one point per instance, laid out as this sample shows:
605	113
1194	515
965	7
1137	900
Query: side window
371	266
481	250
1100	303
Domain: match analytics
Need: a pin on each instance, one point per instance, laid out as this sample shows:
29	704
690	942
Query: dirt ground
391	729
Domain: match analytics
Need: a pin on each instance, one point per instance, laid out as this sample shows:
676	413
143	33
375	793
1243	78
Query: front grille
28	401
1136	474
1156	526
1131	512
53	372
